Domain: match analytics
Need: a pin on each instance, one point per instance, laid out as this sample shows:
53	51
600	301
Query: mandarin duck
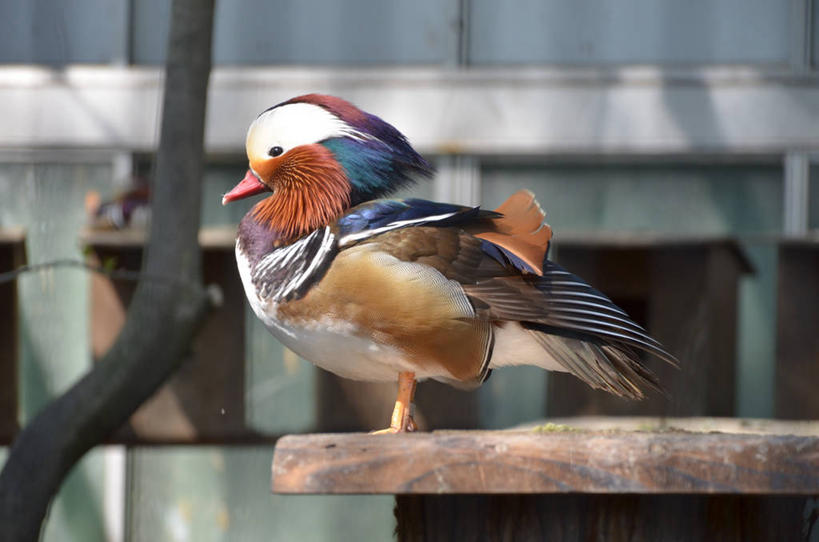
405	290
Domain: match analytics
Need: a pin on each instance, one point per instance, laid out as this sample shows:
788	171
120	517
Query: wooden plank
744	426
743	111
655	241
797	331
12	255
565	462
212	237
633	518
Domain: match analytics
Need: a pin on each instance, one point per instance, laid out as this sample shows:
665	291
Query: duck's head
320	155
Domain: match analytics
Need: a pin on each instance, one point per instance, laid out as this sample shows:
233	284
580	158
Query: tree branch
115	274
162	318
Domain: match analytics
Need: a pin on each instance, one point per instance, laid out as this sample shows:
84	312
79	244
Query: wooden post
574	485
12	256
797	330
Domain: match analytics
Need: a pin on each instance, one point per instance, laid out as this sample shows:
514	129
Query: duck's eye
275	151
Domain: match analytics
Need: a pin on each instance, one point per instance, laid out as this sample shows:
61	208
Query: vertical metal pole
115	498
122	169
796	193
457	54
800	34
459	180
464	9
121	55
115	473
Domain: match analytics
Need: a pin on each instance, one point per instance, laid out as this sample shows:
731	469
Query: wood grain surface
497	462
606	518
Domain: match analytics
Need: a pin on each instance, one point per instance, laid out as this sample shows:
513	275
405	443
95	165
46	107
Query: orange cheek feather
310	190
266	167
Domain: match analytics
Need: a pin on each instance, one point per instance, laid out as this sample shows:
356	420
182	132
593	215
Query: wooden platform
560	482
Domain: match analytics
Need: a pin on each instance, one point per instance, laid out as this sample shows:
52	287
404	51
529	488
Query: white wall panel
493	112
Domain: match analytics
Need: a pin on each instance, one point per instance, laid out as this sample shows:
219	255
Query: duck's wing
378	217
515	233
578	327
493	257
288	272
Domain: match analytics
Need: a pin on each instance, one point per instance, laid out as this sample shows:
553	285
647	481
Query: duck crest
312	190
377	159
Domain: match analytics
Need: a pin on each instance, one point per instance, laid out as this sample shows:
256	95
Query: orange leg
401	421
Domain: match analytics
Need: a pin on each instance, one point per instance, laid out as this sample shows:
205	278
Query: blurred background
674	146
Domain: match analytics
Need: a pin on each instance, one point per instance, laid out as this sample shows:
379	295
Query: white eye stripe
292	125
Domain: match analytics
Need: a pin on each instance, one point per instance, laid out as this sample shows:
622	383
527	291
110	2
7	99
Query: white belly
330	344
334	347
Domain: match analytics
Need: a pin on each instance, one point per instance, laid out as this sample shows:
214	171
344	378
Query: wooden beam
634	110
498	462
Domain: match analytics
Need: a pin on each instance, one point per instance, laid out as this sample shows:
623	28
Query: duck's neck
294	213
256	239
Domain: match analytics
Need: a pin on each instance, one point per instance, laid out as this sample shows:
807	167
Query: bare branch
115	274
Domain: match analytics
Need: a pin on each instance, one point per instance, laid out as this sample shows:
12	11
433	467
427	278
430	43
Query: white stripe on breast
264	310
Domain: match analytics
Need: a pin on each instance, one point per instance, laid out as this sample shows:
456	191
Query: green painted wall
48	201
210	494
